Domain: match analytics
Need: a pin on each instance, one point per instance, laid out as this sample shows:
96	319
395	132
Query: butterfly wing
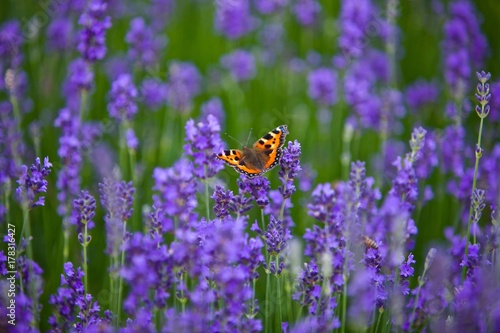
234	158
271	144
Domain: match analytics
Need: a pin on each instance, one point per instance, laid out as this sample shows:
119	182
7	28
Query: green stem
380	314
120	278
29	249
207	195
474	184
344	303
65	241
85	269
266	314
262	220
278	287
346	153
83	104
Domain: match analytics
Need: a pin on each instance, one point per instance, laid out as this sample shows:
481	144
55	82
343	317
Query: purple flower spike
10	44
132	141
355	18
144	46
241	65
307	11
183	86
322	202
68	179
203	139
122	97
224	202
233	18
274	237
215	108
322	86
464	46
117	199
83	211
177	187
71	296
60	34
154	93
33	182
405	272
270	6
148	268
258	187
290	168
92	43
421	93
80	74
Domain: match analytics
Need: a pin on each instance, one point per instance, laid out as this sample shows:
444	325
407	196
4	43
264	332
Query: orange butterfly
264	155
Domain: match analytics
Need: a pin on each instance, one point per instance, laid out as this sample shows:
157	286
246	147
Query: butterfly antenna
248	138
234	139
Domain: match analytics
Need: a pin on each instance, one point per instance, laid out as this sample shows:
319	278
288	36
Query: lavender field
249	166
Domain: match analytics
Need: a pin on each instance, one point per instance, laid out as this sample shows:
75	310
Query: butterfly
264	155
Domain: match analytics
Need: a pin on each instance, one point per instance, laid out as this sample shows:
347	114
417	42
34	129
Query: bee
370	243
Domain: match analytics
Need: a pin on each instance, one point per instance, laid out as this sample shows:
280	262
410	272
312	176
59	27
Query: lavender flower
70	303
11	143
241	201
475	301
33	184
241	65
145	47
355	18
65	300
495	101
464	47
429	298
271	38
308	280
131	139
258	187
60	34
453	153
405	272
483	95
80	74
224	202
233	18
117	199
421	93
290	168
274	236
322	201
177	187
322	86
92	43
83	212
306	11
213	107
477	202
122	97
183	86
202	140
160	12
10	44
270	6
360	89
154	93
148	268
68	180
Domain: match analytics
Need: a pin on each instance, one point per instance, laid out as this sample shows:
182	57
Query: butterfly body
264	155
